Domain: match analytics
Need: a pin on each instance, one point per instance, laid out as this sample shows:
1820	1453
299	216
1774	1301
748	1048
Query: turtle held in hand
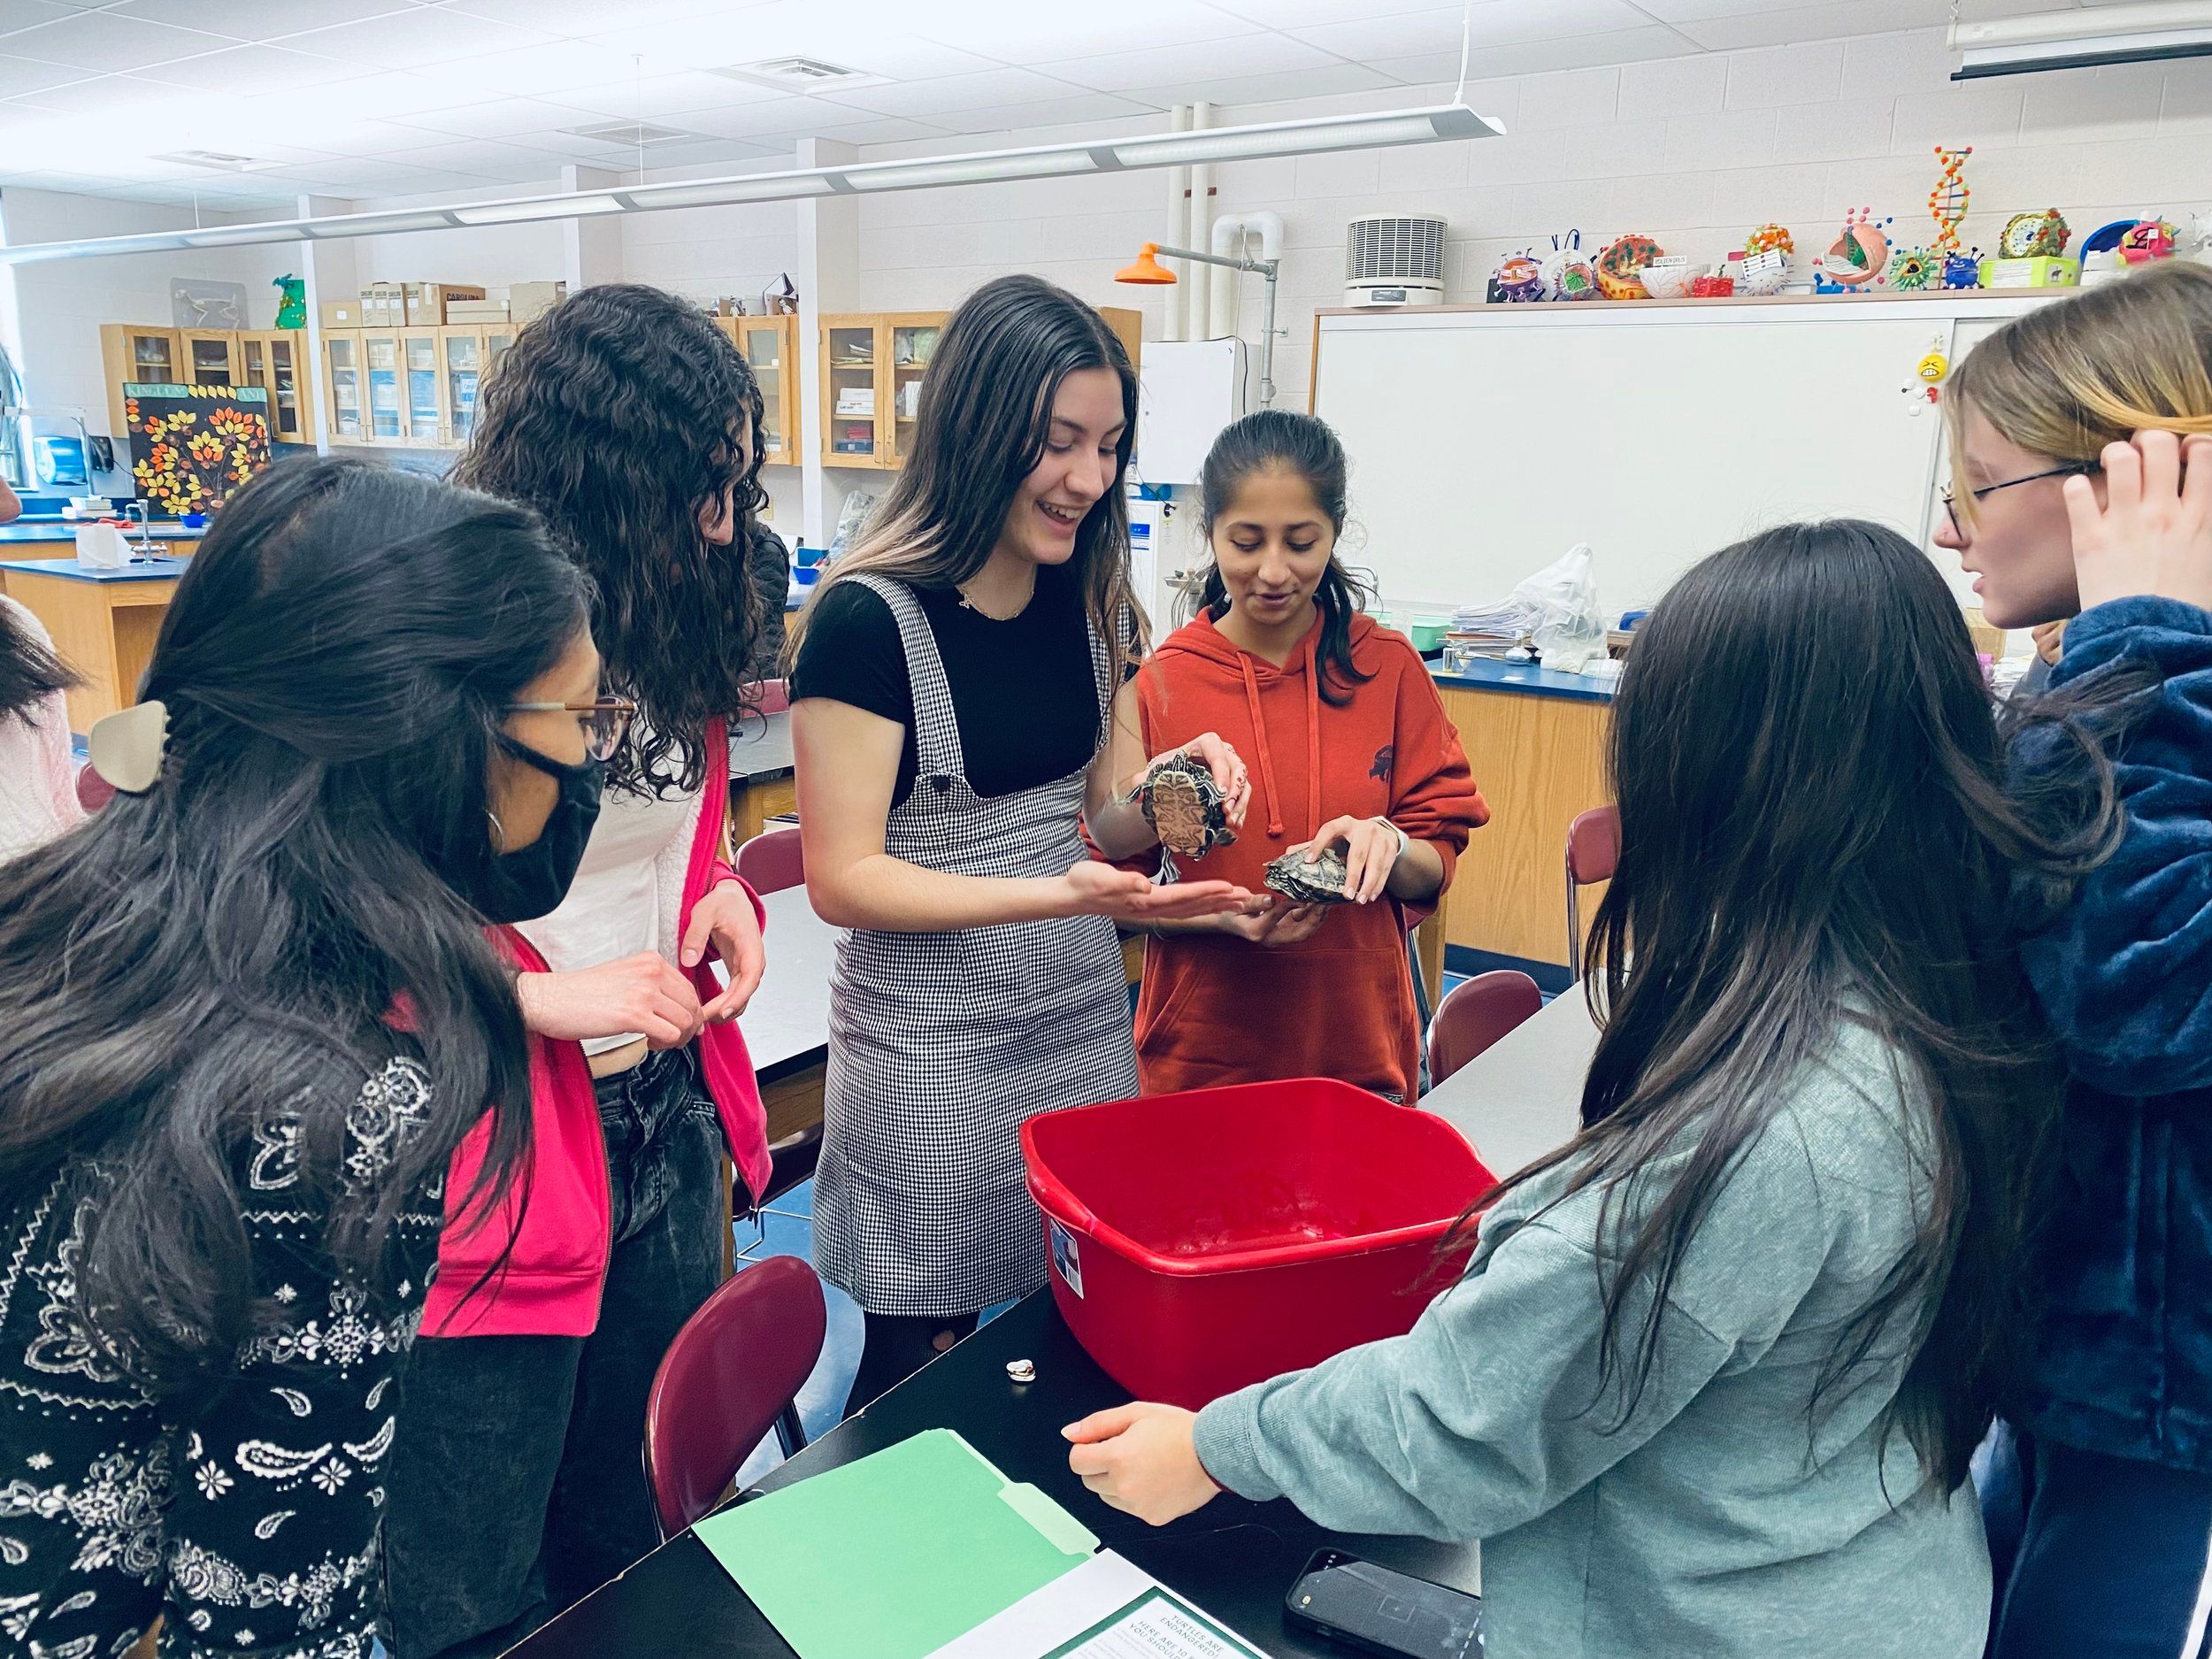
1186	807
1319	882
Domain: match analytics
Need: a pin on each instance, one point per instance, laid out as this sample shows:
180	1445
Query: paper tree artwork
192	446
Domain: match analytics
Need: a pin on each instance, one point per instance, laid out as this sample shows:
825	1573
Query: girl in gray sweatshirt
1710	1381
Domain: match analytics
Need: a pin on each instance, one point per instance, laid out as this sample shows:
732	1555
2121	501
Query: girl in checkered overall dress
961	715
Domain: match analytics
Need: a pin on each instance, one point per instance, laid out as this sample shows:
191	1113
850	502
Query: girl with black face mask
248	1013
632	424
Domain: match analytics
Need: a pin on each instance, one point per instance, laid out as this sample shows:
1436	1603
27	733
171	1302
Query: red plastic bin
1203	1242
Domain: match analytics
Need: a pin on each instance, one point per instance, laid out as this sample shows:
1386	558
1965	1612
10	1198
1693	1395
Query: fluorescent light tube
2076	39
537	207
1439	124
920	176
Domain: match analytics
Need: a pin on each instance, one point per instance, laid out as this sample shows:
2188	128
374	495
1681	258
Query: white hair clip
127	746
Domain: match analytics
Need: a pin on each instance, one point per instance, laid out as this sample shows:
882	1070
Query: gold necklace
969	604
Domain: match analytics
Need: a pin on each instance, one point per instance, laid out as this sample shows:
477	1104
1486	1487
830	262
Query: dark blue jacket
2125	976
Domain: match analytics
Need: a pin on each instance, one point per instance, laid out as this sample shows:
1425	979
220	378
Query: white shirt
628	893
38	774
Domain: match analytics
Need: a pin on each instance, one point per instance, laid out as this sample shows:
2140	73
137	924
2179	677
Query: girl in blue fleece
2084	489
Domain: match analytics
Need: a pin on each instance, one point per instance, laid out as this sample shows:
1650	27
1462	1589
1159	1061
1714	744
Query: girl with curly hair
632	426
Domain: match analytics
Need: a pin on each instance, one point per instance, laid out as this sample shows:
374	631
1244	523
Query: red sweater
1216	1008
550	1283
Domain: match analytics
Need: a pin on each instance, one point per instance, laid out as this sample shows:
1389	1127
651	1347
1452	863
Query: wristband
1404	840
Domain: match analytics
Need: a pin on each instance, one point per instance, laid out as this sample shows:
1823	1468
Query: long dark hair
1815	835
1278	441
984	417
239	940
29	671
615	415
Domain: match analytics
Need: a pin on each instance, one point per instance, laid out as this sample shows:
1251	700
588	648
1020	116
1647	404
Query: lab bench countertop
1491	674
153	570
38	533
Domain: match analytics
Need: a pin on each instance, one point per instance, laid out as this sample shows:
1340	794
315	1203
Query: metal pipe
1268	269
1173	304
1202	191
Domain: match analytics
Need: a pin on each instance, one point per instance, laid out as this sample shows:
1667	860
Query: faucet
145	530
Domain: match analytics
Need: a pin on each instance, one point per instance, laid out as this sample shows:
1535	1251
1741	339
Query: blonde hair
2067	379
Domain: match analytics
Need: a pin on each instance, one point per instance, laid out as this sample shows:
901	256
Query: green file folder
894	1555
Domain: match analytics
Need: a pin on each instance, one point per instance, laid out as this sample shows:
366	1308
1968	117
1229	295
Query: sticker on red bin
1067	1260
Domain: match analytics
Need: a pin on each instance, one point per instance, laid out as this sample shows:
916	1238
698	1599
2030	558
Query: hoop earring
499	831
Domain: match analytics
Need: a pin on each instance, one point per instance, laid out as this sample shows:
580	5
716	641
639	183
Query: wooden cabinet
770	346
873	368
274	360
408	389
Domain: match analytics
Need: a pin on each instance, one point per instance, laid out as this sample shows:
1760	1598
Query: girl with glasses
2080	430
632	425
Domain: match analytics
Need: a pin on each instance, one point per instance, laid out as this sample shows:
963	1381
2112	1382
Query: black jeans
519	1485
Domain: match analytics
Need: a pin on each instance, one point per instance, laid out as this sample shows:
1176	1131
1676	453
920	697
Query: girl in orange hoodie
1348	746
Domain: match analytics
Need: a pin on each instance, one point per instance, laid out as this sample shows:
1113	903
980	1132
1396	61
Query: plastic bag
1570	628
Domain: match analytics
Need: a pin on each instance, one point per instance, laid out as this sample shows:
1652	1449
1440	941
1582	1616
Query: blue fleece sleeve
2125	974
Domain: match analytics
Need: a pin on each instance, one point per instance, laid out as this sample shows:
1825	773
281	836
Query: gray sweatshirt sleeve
1490	1411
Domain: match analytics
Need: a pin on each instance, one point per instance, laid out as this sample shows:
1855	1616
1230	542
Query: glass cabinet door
851	413
764	351
282	381
347	419
912	346
154	358
381	353
208	358
464	352
426	423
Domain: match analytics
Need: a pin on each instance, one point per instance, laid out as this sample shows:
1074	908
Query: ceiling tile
247	70
96	94
576	18
1831	21
257	19
486	157
499	118
1298	14
1495	23
771	115
867	129
948	94
23	14
1076	106
655	97
1584	52
1024	31
1165	65
91	40
19	75
1329	81
424	36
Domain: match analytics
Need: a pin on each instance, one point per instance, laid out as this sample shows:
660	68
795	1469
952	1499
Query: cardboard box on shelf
427	301
384	305
341	313
476	311
526	299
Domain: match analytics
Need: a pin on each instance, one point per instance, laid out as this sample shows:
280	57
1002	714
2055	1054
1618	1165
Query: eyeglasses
610	718
2072	469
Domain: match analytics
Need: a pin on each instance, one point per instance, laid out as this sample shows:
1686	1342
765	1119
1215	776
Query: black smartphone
1380	1611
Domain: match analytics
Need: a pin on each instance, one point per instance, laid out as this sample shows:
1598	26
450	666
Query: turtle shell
1320	882
1186	807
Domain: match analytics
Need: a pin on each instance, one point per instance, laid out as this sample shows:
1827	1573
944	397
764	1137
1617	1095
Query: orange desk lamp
1149	271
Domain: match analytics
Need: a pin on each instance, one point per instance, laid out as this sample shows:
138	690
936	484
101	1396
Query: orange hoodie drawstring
1267	760
1313	733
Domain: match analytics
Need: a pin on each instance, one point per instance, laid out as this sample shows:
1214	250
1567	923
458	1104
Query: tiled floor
786	1228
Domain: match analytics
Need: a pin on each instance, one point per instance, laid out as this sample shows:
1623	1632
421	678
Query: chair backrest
1593	846
1475	1015
732	1371
93	791
771	697
774	860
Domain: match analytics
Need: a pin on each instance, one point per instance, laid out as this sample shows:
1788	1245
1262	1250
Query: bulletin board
193	446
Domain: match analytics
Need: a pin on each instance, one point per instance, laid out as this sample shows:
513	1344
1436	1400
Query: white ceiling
373	98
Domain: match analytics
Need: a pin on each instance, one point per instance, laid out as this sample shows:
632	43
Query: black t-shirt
1024	694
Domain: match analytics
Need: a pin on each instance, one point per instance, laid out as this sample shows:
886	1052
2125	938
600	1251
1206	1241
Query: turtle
1186	807
1320	882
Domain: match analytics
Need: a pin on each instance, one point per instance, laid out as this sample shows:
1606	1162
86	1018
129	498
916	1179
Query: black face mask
532	881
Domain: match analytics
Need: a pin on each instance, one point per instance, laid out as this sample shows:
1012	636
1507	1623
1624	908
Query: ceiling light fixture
2079	39
1441	124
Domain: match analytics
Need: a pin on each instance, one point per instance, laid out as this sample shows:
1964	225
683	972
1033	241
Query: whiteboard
1486	442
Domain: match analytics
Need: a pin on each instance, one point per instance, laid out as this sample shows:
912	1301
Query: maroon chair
1593	848
93	791
731	1375
771	697
1475	1015
774	860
